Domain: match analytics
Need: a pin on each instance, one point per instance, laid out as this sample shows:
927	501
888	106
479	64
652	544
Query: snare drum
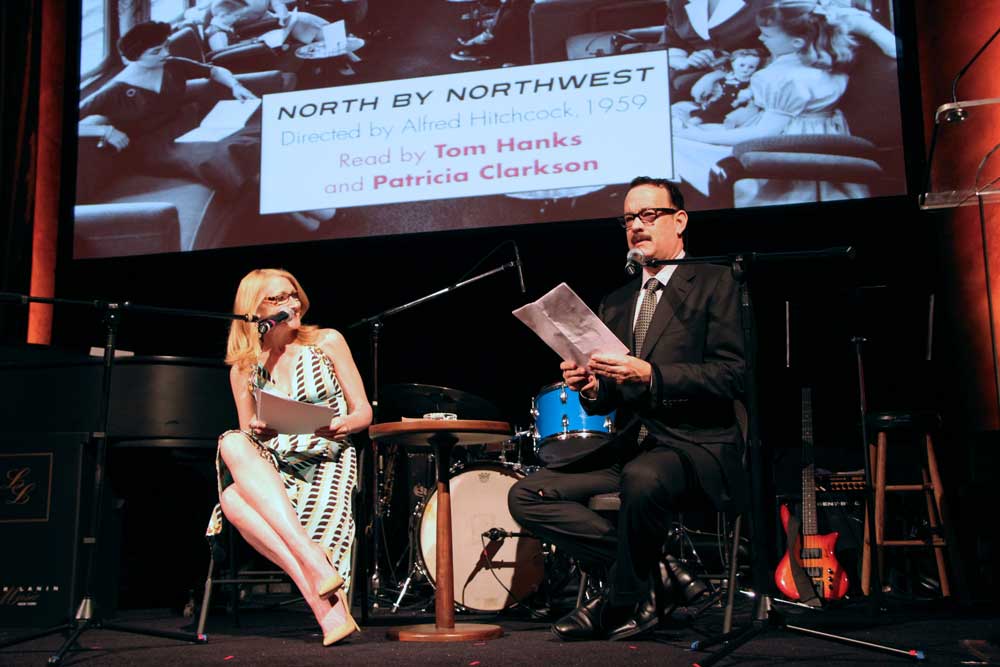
564	432
479	503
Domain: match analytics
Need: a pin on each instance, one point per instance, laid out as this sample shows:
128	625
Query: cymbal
416	400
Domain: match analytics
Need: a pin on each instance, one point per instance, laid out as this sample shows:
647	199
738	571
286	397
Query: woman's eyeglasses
647	215
281	299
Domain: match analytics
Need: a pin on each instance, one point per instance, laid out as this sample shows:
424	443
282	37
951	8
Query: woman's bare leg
256	531
260	486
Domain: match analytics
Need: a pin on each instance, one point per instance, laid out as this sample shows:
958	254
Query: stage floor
287	637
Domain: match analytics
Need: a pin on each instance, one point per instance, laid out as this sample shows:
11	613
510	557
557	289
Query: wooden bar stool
917	426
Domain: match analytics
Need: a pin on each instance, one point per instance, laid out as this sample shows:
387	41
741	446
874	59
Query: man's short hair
676	197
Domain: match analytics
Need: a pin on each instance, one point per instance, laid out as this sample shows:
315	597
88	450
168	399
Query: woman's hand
260	430
242	93
114	138
338	429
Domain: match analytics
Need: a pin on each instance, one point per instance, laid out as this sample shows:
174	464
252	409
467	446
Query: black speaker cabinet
46	482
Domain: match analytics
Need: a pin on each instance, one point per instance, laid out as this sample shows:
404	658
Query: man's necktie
646	311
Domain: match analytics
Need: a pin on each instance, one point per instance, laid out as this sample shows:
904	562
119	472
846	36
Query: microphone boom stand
368	526
87	615
765	617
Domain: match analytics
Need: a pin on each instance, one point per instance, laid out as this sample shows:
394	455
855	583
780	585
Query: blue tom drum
563	431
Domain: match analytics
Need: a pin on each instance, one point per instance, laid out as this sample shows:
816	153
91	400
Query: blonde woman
289	495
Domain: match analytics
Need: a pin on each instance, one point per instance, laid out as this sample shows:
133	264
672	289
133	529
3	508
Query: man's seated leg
552	504
654	484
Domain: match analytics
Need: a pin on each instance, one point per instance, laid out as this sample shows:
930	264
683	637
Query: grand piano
155	400
165	416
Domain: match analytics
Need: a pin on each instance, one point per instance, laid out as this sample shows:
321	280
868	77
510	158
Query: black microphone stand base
772	620
86	621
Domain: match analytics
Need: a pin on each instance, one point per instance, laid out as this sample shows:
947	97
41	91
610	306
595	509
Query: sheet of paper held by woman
286	415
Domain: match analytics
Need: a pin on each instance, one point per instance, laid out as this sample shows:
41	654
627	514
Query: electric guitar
814	551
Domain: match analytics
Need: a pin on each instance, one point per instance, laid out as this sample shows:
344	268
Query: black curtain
20	57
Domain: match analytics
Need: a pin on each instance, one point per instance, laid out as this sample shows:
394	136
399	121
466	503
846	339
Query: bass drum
490	575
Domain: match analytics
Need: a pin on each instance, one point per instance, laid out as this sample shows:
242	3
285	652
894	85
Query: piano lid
46	390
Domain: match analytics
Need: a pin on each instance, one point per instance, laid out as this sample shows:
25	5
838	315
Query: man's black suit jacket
695	346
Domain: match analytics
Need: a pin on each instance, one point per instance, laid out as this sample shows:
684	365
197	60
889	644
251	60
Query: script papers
285	415
227	117
569	327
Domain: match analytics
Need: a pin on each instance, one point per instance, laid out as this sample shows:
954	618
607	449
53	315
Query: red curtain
950	33
52	70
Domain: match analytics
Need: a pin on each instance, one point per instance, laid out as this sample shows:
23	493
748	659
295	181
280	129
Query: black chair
611	503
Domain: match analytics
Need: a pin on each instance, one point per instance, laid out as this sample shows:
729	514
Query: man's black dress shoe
665	588
645	618
687	586
582	623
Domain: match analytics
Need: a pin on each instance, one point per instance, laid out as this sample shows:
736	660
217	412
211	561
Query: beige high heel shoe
330	586
345	629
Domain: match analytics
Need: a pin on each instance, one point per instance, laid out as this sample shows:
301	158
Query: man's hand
578	379
621	368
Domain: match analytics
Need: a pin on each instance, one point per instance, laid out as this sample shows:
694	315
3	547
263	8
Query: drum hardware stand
519	435
369	523
413	568
765	617
88	615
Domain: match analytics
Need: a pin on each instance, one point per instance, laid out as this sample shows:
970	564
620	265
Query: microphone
959	114
635	259
520	269
266	325
494	534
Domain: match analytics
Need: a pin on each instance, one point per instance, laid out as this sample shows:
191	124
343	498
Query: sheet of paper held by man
227	117
569	327
286	415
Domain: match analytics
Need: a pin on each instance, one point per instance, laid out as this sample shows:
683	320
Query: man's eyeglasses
281	299
647	215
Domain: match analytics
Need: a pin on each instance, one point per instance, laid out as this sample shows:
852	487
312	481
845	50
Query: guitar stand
768	619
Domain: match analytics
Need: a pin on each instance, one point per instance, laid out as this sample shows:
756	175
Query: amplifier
841	481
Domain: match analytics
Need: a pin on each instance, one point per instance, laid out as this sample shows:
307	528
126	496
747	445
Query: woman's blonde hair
243	348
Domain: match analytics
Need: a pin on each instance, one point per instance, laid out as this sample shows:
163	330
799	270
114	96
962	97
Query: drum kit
496	565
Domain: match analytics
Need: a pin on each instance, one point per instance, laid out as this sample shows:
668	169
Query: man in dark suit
677	439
